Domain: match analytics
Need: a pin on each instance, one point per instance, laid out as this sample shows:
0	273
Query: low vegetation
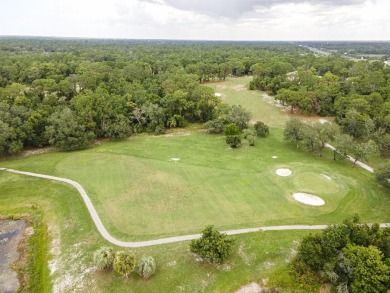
104	258
146	267
124	262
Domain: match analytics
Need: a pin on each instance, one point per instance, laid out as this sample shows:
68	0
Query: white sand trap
309	199
274	157
218	94
283	172
174	159
326	176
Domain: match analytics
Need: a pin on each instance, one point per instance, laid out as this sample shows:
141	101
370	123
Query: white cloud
201	19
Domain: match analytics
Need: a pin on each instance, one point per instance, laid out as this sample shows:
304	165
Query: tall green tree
293	131
366	270
212	246
67	132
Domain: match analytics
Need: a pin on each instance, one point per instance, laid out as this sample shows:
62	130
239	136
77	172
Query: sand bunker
308	199
283	172
218	94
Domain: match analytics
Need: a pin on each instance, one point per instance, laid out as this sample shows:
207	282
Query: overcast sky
199	19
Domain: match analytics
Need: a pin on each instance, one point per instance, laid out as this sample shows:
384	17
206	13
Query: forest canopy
67	92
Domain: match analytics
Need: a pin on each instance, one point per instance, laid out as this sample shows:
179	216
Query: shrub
248	132
382	173
232	129
233	140
251	140
215	126
212	246
261	128
124	263
104	258
146	267
160	129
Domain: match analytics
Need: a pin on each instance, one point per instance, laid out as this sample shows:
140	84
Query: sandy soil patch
250	288
239	87
27	153
308	199
176	133
284	172
72	272
323	121
218	94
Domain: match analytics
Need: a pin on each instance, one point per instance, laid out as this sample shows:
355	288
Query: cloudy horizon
252	20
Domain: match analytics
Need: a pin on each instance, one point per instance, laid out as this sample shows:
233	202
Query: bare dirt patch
27	153
308	199
250	288
284	172
323	121
239	87
176	133
72	274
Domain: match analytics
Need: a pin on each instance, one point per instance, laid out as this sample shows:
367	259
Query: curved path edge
102	230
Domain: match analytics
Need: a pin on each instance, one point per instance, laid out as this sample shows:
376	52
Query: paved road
102	230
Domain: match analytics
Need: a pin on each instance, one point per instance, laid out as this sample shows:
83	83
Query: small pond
11	232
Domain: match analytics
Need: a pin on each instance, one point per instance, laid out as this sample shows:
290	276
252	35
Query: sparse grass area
140	193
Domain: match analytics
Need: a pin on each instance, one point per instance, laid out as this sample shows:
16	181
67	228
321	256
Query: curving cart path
360	164
102	230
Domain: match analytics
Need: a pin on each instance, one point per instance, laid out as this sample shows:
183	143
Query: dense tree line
356	93
353	257
66	93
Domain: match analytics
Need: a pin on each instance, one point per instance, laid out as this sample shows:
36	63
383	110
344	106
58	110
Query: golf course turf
140	193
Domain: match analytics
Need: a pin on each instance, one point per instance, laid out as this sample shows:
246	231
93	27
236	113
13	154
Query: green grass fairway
140	193
235	92
256	256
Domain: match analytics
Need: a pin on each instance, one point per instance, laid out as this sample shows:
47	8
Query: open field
140	193
149	187
235	91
